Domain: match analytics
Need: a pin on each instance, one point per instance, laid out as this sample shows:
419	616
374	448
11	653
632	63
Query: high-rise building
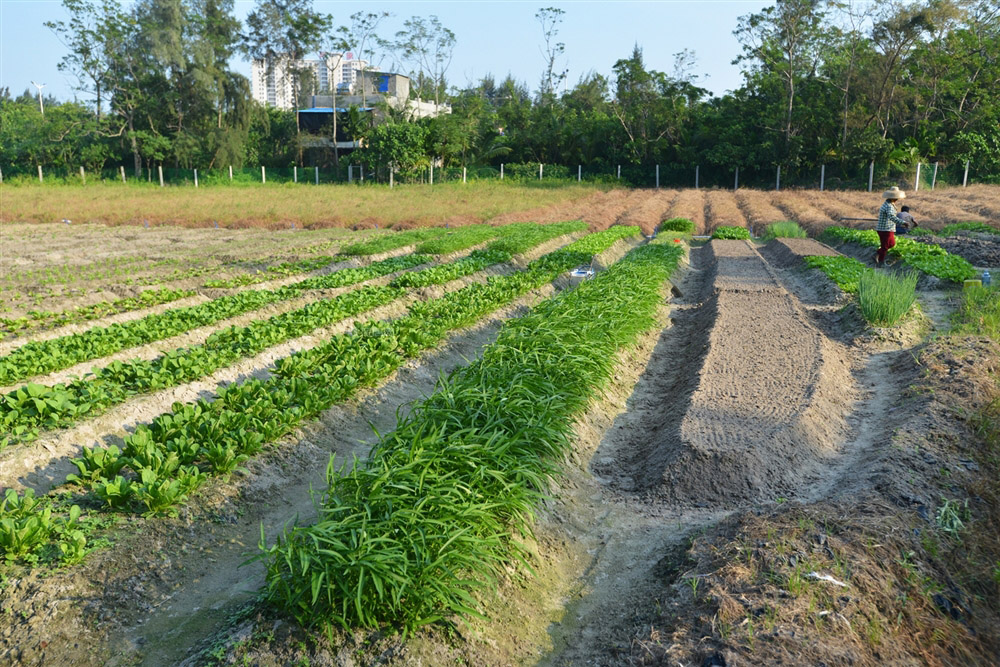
273	85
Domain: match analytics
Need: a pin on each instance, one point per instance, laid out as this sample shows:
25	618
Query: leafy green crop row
40	357
477	260
393	240
440	505
948	230
41	318
730	232
523	236
25	411
283	269
927	257
845	271
459	239
163	463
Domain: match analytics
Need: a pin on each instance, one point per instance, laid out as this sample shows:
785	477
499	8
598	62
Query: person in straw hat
887	221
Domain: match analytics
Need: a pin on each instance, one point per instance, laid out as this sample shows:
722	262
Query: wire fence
834	177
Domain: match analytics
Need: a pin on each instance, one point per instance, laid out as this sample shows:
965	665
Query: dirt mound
786	253
769	401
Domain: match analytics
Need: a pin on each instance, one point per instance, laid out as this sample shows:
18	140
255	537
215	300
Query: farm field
430	443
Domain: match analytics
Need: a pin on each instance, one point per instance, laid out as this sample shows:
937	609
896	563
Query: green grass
682	225
884	298
787	229
979	313
845	271
729	232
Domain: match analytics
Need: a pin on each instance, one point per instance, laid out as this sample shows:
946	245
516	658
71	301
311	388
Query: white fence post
40	174
263	174
934	177
391	184
539	171
123	172
871	174
736	181
317	175
1	175
501	171
230	172
657	177
159	169
697	176
619	172
916	181
463	174
432	173
195	178
83	176
965	177
295	173
822	177
777	182
579	173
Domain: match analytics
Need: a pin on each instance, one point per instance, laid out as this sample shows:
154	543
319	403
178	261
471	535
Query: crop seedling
729	232
787	229
884	298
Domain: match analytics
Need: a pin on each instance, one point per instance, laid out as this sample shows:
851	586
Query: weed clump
884	297
787	229
682	225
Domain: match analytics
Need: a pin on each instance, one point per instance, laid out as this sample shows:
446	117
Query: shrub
789	229
884	297
682	225
728	232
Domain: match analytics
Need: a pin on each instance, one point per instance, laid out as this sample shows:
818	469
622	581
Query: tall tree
361	36
428	46
549	18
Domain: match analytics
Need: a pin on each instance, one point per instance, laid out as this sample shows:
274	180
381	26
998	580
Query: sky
492	38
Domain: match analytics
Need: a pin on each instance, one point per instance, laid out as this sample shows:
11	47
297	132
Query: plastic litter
827	578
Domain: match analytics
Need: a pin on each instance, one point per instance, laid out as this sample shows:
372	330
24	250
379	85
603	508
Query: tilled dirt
650	212
787	253
979	249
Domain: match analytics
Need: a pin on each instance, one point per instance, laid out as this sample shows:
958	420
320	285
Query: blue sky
493	37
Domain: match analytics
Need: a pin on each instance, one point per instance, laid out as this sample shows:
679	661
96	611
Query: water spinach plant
926	257
437	510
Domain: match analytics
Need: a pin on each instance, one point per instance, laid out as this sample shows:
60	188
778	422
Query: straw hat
894	193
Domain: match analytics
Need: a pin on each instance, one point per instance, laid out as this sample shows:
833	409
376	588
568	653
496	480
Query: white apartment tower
274	87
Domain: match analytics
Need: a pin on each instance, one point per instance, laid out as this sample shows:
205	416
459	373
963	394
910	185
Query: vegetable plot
161	464
437	510
931	259
41	357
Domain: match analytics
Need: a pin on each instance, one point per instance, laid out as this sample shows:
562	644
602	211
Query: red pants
886	241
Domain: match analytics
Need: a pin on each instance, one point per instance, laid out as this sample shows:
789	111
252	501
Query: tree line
824	83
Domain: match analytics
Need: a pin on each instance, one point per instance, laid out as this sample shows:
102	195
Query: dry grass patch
758	209
800	207
690	204
276	205
722	209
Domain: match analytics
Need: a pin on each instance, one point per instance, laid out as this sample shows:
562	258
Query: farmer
908	221
887	221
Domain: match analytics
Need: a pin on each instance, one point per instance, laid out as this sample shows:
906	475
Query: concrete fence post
871	174
579	173
822	177
540	168
350	173
295	173
697	176
916	180
159	170
934	177
777	181
619	172
40	174
263	174
463	174
501	171
230	172
317	175
965	177
195	178
83	176
736	180
391	184
432	173
123	172
657	177
1	175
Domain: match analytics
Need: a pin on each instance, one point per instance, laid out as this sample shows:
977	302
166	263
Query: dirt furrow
648	213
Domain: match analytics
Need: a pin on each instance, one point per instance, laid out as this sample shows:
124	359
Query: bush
728	232
788	229
884	297
682	225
